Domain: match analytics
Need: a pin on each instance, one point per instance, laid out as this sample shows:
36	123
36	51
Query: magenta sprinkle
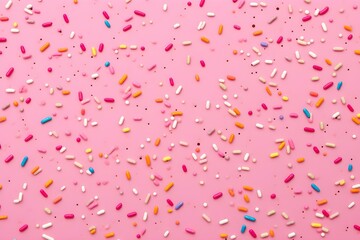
82	46
69	216
217	195
328	85
28	138
9	158
350	37
202	2
316	67
106	15
22	49
131	214
10	72
192	231
252	233
3	39
309	129
279	40
263	105
23	228
168	47
338	160
109	100
58	147
306	18
80	96
170	202
139	13
357	227
119	206
171	80
351	109
324	10
237	27
289	178
66	19
184	168
42	191
127	28
202	63
326	214
316	150
101	47
47	24
28	100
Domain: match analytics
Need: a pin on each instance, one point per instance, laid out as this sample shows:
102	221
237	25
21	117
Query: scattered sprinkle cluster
197	119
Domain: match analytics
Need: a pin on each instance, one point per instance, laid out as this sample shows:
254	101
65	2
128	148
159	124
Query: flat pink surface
212	167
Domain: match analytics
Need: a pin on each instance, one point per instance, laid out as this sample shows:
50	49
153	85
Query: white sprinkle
94	75
165	7
206	218
273	73
223	221
256	62
121	120
135	191
100	212
356	186
145	216
254	4
72	35
324	27
8	4
47	225
291	235
268	61
259	125
210	14
259	194
352	204
166	234
47	237
176	25
334	215
246	156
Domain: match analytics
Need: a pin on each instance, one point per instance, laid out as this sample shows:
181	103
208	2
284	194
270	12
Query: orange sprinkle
169	210
110	234
258	33
169	186
156	210
279	93
268	90
328	62
231	192
44	47
231	78
197	77
300	160
355	120
220	29
205	39
101	155
92	230
319	102
281	145
348	28
48	183
242	209
158	100
157	142
321	202
0	186
271	233
65	92
134	224
357	52
34	170
76	1
3	217
313	94
128	175
231	138
239	125
176	113
2	119
15	103
148	160
246	198
57	199
62	49
237	111
235	52
177	222
355	190
136	94
224	235
123	79
197	150
248	188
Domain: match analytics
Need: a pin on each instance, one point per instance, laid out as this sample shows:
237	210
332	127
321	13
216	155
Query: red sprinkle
9	158
66	19
23	228
4	19
279	40
184	168
28	138
324	10
170	202
289	178
131	214
69	216
42	191
106	15
328	85
252	233
168	47
309	129
10	72
127	28
119	206
217	195
47	24
316	67
306	18
109	100
338	160
139	13
350	108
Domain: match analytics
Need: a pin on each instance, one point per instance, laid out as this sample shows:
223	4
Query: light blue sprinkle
45	120
91	170
243	228
107	23
316	188
179	205
307	113
339	85
107	63
250	218
24	161
264	44
350	167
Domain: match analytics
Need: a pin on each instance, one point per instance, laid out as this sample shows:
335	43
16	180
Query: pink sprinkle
101	47
338	160
109	100
28	100
127	28
171	80
66	19
9	158
184	168
237	27
168	47
42	191
306	18
192	231
326	214
217	195
277	107
309	129
131	214
316	150
80	96
119	206
252	233
28	138
22	49
316	67
170	202
350	37
324	10
136	84
350	108
69	216
202	2
10	72
263	105
289	178
47	24
106	15
328	85
242	3
23	228
202	63
3	39
127	95
93	206
279	40
139	13
291	144
82	46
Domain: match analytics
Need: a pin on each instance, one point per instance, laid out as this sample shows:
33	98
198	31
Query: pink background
155	31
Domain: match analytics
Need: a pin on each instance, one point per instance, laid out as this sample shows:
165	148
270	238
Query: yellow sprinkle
76	1
15	24
319	102
223	235
285	98
3	217
148	160
169	210
62	49
348	28
358	115
88	150
248	188
281	145
137	94
48	183
342	182
93	51
220	29
357	52
258	33
316	225
274	155
167	158
246	198
156	210
231	138
328	62
126	130
123	79
2	119
205	39
123	46
128	175
109	235
239	125
157	142
169	186
44	47
65	92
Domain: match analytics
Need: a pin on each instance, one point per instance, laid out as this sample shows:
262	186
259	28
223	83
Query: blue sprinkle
107	23
264	44
45	120
179	205
243	228
250	218
316	188
107	63
307	113
350	167
91	170
24	161
339	85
